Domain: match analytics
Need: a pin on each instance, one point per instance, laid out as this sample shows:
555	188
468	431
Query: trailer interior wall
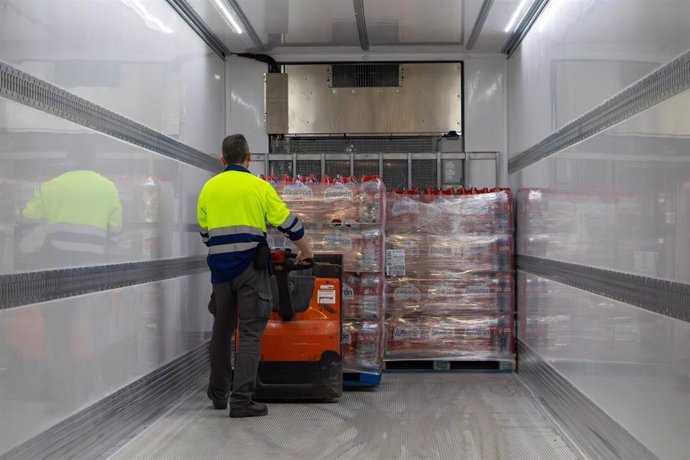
485	130
245	103
618	201
140	60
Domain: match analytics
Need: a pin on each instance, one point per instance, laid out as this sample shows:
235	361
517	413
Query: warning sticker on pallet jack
326	295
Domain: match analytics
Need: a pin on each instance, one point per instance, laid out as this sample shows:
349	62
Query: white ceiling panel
302	22
224	23
402	22
322	21
289	26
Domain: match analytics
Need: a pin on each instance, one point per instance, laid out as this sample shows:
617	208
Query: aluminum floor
410	416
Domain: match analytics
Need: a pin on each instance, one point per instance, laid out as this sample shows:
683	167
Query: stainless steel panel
430	101
159	73
632	363
62	356
410	416
276	103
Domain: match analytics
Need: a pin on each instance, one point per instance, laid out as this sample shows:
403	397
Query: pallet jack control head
286	261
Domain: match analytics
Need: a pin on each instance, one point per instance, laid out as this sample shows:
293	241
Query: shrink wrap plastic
450	290
418	297
362	346
477	337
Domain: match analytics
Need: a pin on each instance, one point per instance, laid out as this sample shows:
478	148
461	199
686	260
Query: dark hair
235	149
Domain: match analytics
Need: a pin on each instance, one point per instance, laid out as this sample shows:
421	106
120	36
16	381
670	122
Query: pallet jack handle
284	262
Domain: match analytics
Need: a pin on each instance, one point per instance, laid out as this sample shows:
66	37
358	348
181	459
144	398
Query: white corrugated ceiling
279	27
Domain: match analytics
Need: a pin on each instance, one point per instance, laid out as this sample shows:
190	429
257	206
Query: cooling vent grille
365	75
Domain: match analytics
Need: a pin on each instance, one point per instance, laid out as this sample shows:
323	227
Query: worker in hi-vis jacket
232	211
81	212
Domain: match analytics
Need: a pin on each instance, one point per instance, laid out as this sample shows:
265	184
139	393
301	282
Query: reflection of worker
82	213
233	209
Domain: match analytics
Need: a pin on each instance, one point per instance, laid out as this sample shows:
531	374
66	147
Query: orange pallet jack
301	355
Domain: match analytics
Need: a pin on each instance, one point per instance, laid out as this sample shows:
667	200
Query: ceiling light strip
198	25
258	44
229	17
518	13
479	23
523	26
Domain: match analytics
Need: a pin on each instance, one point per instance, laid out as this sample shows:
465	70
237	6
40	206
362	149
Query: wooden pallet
440	365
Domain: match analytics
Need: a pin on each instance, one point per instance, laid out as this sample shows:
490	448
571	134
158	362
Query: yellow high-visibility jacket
82	211
232	211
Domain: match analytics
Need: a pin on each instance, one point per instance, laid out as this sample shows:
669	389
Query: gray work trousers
245	300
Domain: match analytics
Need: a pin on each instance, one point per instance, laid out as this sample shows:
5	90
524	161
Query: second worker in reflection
81	211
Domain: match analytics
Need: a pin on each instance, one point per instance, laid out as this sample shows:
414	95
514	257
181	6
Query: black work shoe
254	409
220	404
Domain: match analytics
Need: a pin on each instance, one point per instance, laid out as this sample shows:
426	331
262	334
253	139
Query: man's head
236	151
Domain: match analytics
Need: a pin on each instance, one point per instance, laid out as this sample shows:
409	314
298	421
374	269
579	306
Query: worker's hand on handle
305	251
305	256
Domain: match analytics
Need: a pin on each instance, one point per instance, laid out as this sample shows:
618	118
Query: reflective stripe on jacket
232	211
